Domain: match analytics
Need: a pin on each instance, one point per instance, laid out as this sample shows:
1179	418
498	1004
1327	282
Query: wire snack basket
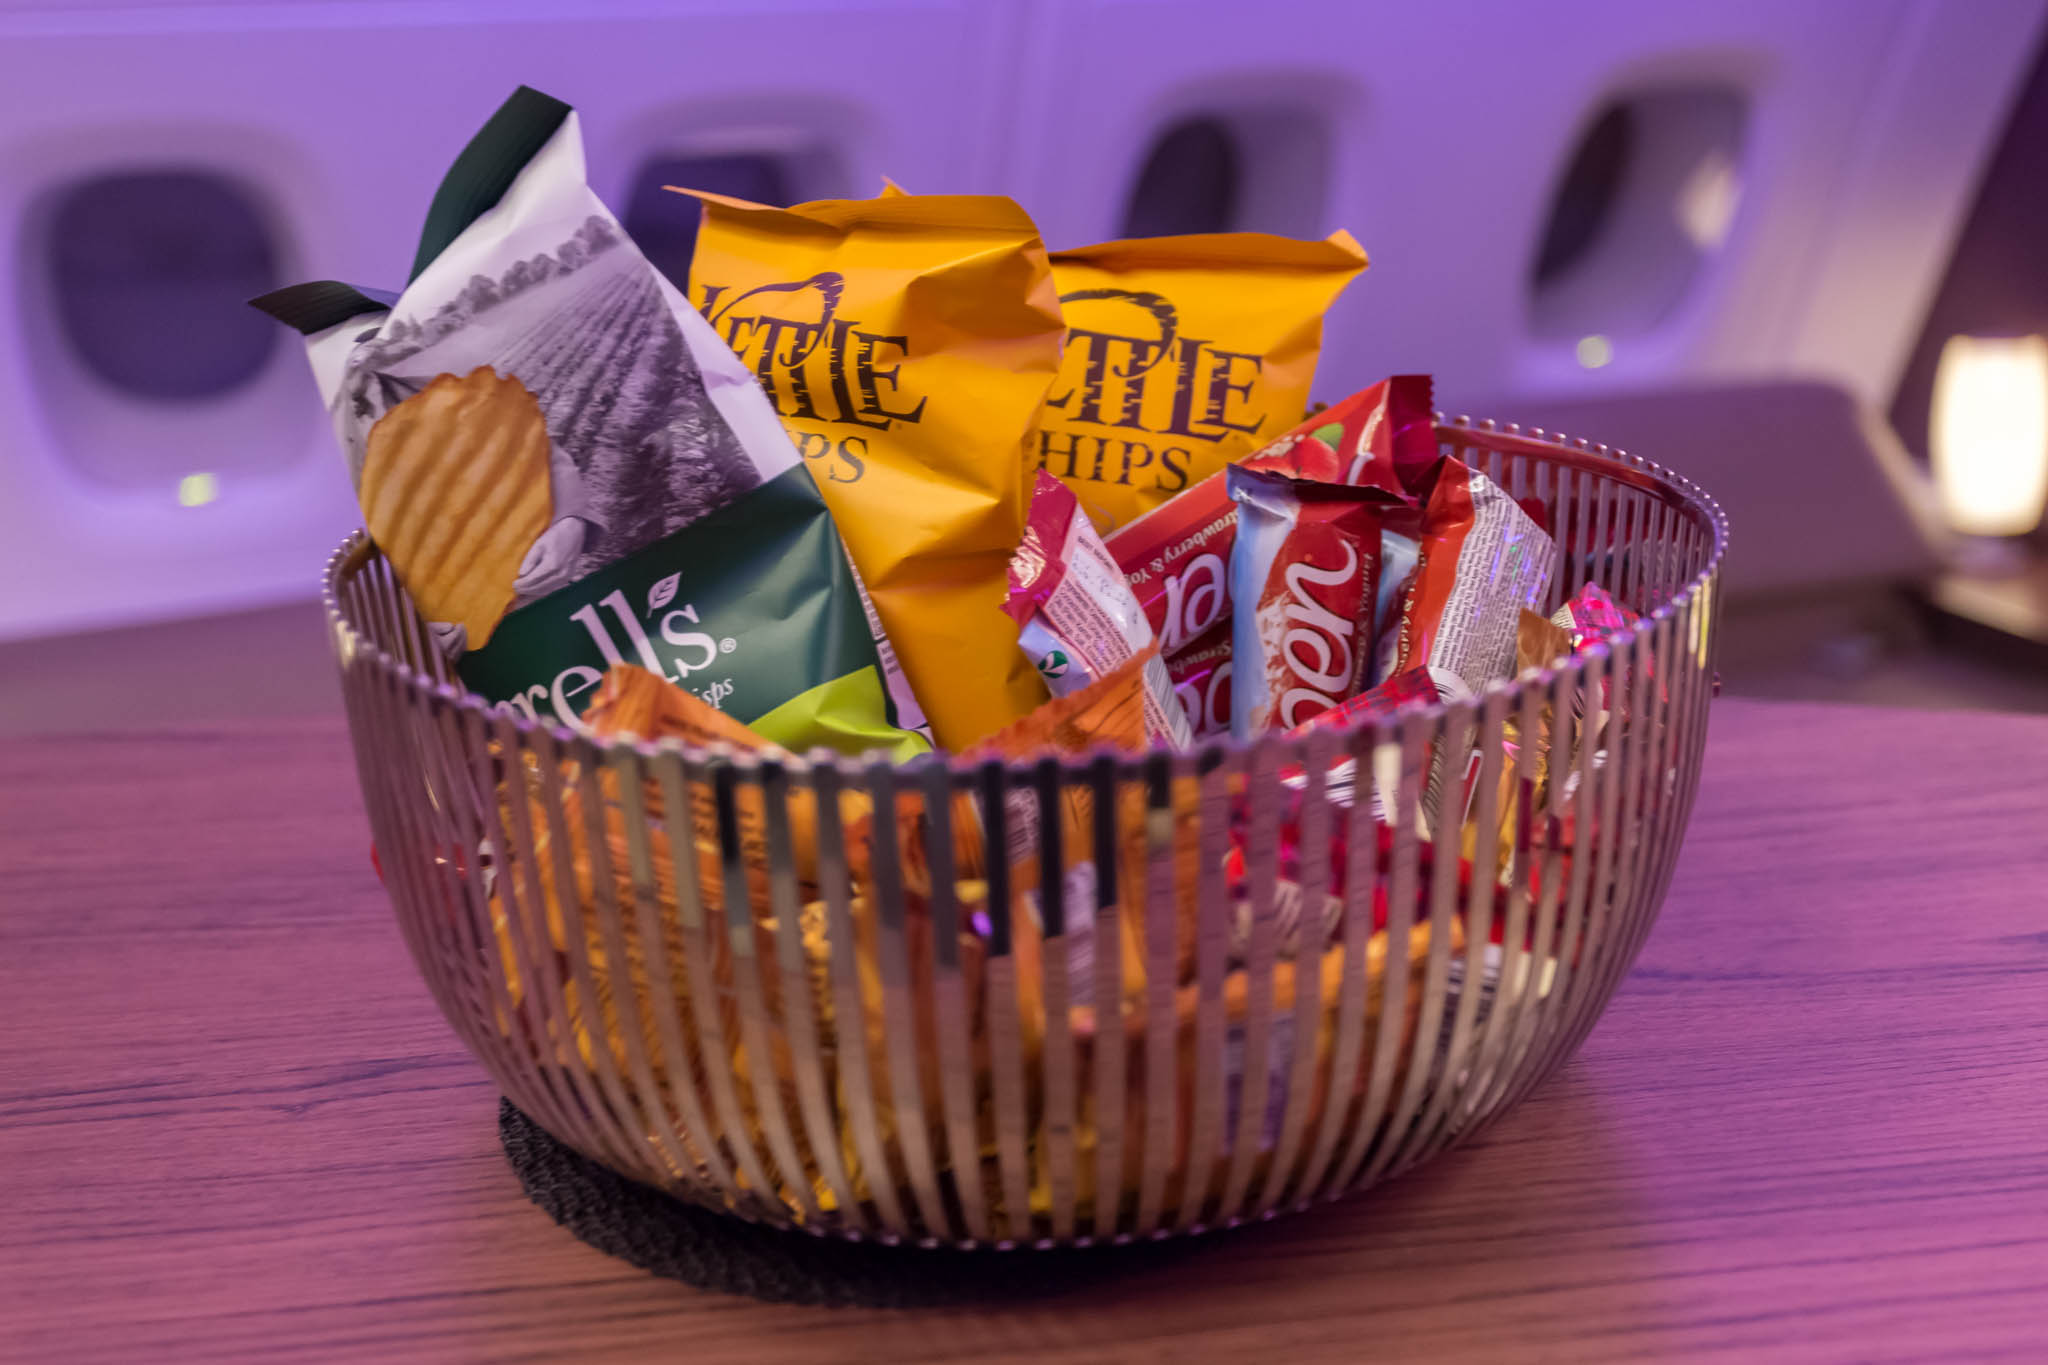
1071	1000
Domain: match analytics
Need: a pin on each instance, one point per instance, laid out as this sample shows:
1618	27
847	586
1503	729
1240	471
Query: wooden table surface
1813	1125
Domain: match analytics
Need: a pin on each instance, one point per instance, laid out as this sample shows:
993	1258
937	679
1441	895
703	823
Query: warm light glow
1989	433
1594	351
1707	200
197	490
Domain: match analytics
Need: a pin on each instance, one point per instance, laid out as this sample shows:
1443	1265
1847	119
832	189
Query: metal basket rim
1159	759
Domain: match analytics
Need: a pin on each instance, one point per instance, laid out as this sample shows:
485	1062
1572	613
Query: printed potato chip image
455	492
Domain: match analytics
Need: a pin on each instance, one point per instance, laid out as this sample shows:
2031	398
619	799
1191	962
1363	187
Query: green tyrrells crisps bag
568	469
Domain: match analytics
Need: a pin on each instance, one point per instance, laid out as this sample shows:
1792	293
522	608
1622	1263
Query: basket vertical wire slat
1107	1053
1608	959
1643	687
678	1077
456	839
586	1026
1380	1041
1547	491
1671	689
1004	1004
619	933
1162	946
399	835
1308	929
1604	495
1702	618
1676	724
848	1006
1441	895
1582	533
952	1008
1254	1038
1362	877
545	986
533	1082
1478	919
905	1086
1535	980
513	1068
652	1127
1512	987
685	783
748	966
1057	955
371	737
404	833
1217	772
1403	881
1626	756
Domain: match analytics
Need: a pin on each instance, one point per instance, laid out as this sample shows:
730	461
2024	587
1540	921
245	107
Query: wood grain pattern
1813	1125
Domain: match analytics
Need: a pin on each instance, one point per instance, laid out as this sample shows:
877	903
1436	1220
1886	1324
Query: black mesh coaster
649	1229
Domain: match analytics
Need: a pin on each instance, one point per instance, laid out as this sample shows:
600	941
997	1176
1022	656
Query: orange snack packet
907	343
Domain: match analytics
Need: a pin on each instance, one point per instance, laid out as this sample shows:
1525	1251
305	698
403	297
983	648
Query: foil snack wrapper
1482	561
1076	616
1303	579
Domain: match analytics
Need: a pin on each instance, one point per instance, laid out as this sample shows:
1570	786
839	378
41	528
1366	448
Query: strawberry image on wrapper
1383	436
1304	573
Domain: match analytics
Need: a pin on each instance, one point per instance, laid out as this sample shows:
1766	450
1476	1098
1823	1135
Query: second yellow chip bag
907	343
1183	353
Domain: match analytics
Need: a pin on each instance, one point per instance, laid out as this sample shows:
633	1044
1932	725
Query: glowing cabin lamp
1989	433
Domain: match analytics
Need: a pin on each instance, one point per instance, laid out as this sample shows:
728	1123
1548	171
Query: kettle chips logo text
1148	384
822	369
672	652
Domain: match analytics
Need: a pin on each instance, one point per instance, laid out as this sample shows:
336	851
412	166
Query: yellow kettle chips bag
907	342
1183	353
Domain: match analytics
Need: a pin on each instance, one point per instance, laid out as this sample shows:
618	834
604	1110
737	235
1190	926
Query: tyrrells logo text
666	639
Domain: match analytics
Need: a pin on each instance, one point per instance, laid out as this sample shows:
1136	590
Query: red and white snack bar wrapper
1303	577
1201	679
1385	699
1176	559
1177	555
1078	620
1592	614
1590	617
1483	560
